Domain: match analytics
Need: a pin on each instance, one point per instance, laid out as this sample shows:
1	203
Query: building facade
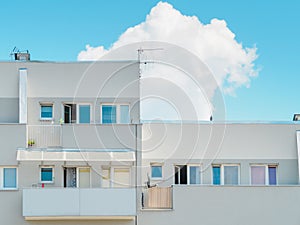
74	151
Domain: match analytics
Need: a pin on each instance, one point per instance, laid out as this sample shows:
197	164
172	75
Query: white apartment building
74	151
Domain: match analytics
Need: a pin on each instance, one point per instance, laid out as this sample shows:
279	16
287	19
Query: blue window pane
46	174
9	177
109	114
194	175
156	172
272	176
231	175
84	114
46	111
216	175
124	117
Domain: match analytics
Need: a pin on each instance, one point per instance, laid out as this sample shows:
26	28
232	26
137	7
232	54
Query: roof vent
20	55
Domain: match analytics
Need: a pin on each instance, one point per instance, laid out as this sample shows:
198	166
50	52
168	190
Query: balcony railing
44	136
157	198
75	203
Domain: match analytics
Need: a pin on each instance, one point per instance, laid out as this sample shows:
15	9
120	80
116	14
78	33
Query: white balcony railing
74	203
44	136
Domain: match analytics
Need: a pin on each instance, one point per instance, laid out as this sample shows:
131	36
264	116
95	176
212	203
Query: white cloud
214	43
92	53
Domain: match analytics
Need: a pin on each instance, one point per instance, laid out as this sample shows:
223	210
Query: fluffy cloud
214	43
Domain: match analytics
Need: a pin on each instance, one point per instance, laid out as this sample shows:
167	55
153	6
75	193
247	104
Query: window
194	175
8	178
216	175
116	113
263	174
84	113
47	175
46	112
226	174
109	114
116	177
77	177
187	174
124	114
77	113
156	171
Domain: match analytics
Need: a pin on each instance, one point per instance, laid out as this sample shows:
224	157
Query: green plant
31	142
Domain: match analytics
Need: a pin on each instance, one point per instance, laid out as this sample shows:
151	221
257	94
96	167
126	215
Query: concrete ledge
37	218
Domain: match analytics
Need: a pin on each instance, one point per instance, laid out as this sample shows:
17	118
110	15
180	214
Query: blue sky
59	30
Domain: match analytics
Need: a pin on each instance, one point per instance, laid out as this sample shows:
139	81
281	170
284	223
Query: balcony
76	204
245	205
157	198
99	136
44	136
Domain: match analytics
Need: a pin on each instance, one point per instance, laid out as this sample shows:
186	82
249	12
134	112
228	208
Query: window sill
46	182
46	119
156	178
9	189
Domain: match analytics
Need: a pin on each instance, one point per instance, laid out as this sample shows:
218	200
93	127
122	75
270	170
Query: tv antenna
141	50
23	55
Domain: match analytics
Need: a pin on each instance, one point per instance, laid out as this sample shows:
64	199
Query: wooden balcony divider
158	198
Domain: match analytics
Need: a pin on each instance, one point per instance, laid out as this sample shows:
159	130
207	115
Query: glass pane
231	175
46	174
121	178
84	114
272	175
9	177
46	111
194	175
84	177
124	117
216	175
258	175
109	114
156	171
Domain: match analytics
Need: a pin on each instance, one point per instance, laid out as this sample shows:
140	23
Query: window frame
111	179
118	112
2	178
156	165
188	166
46	104
266	168
77	112
188	173
222	165
53	177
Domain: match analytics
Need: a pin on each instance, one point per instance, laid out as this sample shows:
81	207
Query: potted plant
31	142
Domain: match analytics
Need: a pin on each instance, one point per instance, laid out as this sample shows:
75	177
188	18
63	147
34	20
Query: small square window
46	111
156	171
46	174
